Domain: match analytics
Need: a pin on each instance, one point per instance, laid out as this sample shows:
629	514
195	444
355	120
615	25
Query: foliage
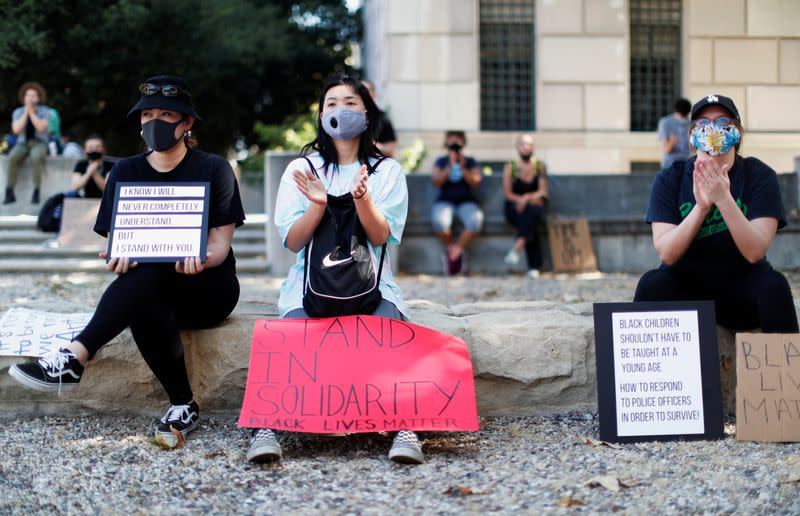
411	157
245	60
292	134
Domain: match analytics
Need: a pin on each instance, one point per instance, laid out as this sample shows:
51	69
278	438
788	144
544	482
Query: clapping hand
713	180
310	186
360	183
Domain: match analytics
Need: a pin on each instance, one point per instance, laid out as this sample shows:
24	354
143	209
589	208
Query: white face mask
344	124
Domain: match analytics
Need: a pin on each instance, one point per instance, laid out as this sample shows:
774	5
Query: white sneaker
512	257
533	273
406	448
264	446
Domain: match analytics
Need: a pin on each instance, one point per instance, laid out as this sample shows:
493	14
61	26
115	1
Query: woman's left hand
191	265
360	183
714	180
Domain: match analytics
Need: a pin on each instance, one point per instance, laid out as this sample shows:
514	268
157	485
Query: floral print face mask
714	137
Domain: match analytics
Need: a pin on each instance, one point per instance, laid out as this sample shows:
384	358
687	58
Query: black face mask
94	155
525	157
160	135
455	147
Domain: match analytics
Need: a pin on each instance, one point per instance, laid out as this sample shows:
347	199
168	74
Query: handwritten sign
571	245
33	333
768	387
653	370
159	222
357	374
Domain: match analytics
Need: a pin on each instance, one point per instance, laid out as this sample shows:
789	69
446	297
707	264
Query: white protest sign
657	373
33	333
159	222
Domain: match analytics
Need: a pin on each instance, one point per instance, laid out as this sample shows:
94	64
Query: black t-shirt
225	205
90	189
754	186
457	190
386	130
30	131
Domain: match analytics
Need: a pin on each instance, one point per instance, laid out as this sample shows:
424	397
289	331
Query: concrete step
96	265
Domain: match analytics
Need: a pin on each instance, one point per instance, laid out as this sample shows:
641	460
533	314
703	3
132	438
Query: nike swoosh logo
327	262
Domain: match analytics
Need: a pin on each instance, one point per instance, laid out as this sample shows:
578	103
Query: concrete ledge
57	178
528	357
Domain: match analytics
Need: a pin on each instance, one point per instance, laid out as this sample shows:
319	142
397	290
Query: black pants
155	302
527	224
759	297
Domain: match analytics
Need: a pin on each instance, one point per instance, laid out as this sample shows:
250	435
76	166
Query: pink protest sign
357	374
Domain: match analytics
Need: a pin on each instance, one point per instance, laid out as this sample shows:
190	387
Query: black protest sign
657	371
159	222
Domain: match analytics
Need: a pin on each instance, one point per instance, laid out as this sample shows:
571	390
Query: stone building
589	77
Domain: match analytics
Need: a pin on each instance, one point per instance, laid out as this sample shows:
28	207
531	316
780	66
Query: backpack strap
371	171
311	165
305	264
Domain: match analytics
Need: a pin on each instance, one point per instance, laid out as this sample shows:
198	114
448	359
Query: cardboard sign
159	222
33	333
657	371
77	223
768	387
357	374
571	245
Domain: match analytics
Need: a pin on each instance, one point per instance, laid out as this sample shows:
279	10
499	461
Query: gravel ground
525	465
521	465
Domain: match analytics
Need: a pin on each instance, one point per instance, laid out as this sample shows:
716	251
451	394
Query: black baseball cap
710	100
153	96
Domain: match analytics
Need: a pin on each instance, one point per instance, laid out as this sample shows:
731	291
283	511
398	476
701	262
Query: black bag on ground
50	215
340	276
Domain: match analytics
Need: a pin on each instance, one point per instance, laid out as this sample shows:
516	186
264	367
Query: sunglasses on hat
167	90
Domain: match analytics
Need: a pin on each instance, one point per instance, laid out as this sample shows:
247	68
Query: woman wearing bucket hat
714	216
338	206
155	300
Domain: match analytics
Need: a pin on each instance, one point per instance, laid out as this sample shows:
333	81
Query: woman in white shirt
341	176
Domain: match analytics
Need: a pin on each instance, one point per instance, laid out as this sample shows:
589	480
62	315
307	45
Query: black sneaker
55	372
35	196
264	446
10	197
176	425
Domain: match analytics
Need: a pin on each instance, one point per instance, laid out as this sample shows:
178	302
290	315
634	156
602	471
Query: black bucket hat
166	92
711	100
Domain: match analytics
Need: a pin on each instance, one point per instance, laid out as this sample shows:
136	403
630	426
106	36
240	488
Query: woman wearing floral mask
714	217
341	174
155	300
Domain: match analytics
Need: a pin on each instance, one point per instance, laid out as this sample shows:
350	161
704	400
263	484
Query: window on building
655	34
506	46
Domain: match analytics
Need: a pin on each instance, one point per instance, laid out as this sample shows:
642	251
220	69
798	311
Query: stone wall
528	358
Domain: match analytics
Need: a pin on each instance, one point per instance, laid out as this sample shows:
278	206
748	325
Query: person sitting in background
714	217
386	140
525	188
70	148
456	176
30	123
673	133
90	174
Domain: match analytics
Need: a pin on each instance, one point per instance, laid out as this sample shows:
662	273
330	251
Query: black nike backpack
340	275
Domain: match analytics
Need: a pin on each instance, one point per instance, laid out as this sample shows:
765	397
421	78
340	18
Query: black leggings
155	302
758	297
527	224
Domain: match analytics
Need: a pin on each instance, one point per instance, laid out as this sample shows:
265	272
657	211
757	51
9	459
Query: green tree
245	60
